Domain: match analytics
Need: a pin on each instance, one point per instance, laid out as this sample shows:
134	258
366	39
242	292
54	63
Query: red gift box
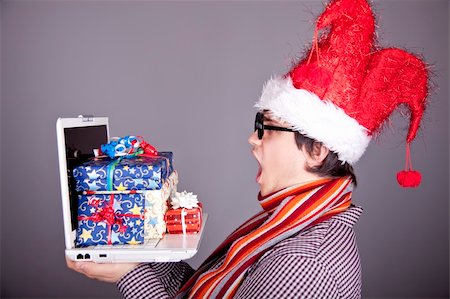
182	220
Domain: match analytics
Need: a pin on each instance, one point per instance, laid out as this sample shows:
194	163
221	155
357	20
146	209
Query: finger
72	264
103	272
80	267
69	262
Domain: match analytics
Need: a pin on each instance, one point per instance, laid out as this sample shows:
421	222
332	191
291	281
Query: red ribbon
149	150
107	214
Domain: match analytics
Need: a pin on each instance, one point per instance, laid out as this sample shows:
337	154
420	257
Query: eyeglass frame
260	126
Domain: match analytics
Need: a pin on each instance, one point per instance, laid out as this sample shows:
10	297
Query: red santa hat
346	87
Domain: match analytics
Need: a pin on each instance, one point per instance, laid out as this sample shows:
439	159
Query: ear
318	154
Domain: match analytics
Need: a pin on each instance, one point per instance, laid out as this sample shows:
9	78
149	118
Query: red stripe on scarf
272	203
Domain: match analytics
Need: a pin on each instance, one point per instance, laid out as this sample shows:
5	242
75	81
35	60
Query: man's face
281	162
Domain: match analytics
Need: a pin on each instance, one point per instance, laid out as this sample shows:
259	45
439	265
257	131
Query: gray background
185	75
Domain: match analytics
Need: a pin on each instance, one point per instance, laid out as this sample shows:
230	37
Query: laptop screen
80	143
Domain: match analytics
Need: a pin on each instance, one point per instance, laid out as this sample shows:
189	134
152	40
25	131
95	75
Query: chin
264	191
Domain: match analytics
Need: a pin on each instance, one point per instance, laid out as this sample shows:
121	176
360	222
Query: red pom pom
410	178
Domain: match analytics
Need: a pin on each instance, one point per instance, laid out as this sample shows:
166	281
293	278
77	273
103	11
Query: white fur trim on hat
315	118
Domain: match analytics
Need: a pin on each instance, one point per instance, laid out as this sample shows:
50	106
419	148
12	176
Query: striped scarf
285	213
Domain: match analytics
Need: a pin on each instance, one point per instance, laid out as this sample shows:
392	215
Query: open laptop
77	137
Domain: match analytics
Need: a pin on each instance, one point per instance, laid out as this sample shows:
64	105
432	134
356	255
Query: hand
103	272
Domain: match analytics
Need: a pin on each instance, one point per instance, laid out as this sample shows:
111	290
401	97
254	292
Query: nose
253	139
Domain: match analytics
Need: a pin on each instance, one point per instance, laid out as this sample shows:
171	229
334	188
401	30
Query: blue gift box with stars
110	219
121	174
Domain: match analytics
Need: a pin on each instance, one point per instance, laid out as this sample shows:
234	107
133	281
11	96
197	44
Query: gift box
184	221
110	219
185	214
152	179
121	174
156	207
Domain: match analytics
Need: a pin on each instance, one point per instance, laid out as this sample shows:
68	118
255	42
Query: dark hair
331	166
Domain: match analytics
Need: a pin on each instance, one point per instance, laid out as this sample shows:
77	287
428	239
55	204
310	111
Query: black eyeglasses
260	126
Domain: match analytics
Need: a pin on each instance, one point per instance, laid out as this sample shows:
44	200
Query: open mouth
258	174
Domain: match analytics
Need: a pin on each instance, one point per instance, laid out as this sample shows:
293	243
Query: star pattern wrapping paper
136	173
156	207
150	180
128	216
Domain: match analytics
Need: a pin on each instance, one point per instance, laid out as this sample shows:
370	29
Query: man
312	124
321	261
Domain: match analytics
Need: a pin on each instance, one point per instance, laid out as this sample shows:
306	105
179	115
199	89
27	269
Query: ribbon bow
184	200
128	145
107	214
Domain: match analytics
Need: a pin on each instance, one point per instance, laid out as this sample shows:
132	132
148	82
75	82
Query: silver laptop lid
76	138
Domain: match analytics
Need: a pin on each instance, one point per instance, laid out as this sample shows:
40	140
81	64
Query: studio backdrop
185	75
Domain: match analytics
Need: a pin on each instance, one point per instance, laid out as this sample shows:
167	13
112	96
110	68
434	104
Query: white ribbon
184	200
183	221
